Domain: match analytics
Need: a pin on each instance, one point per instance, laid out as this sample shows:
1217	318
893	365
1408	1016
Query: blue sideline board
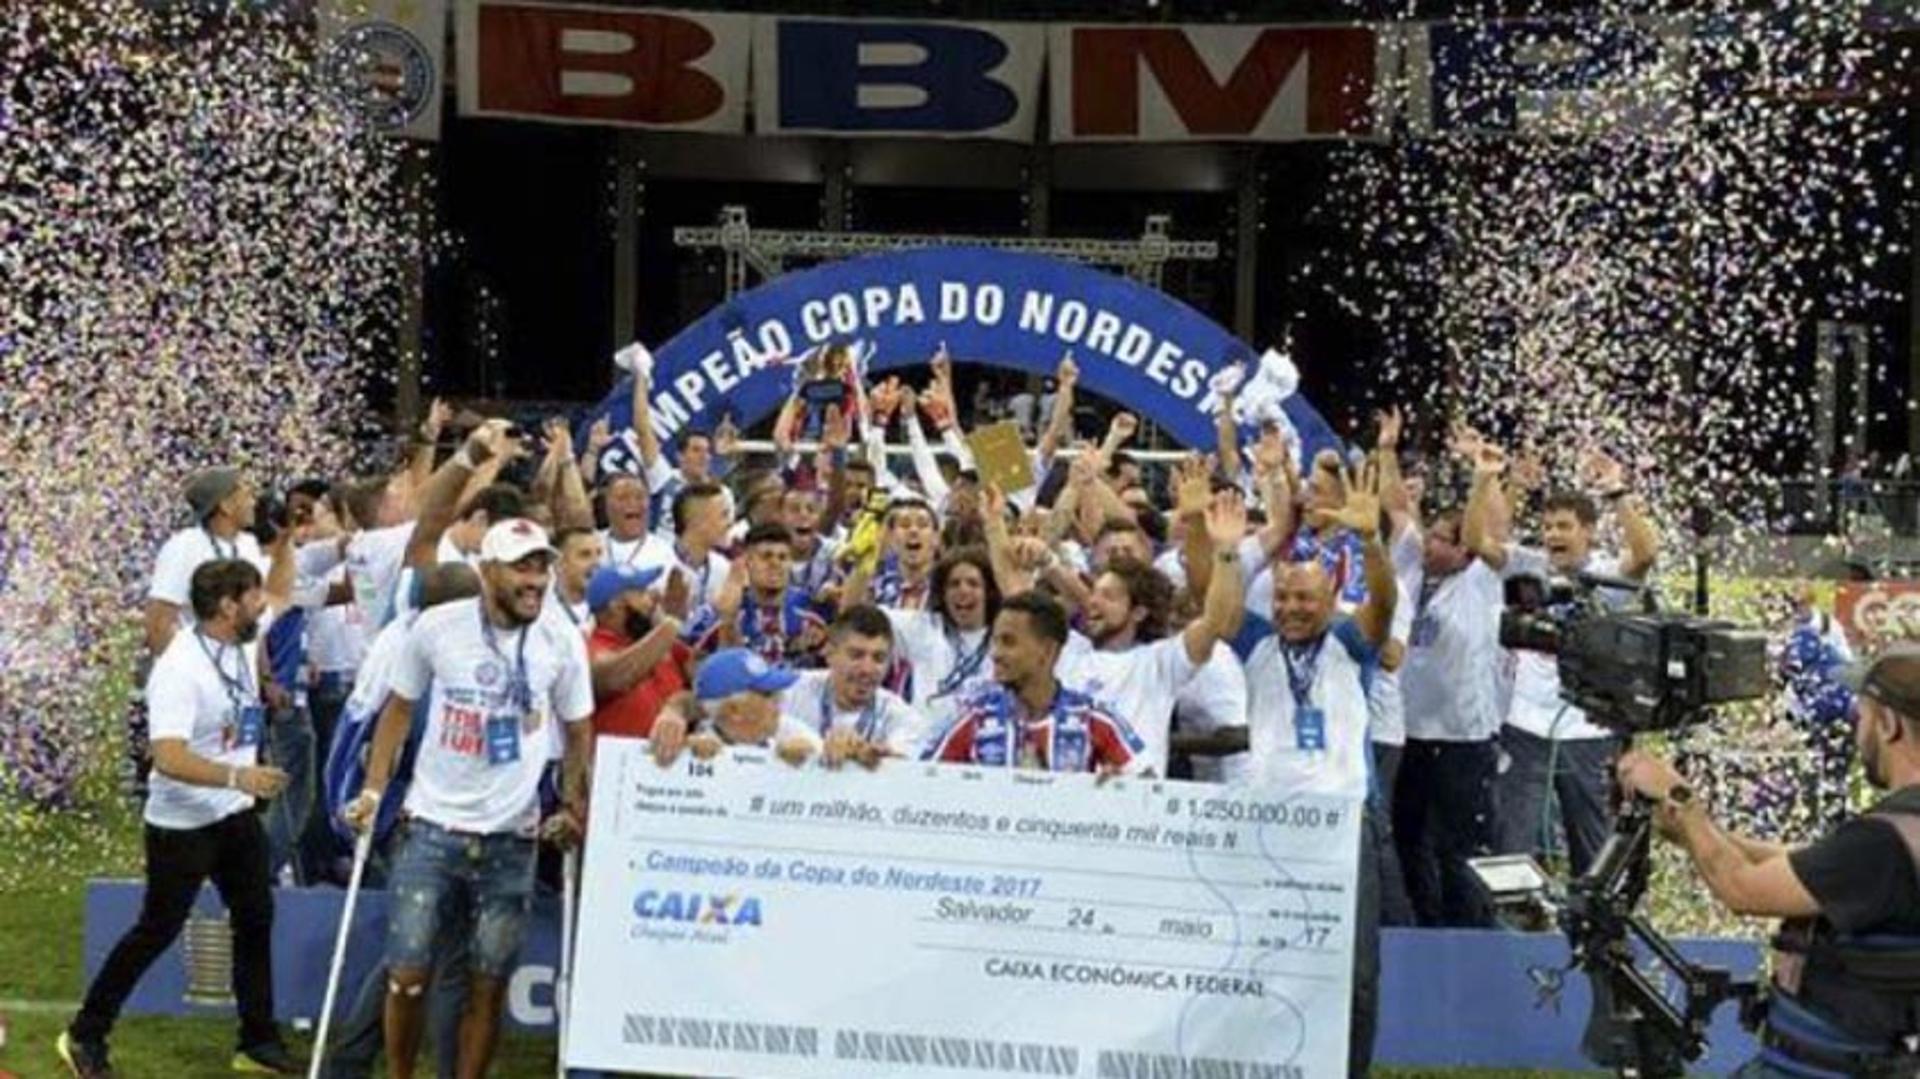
1449	998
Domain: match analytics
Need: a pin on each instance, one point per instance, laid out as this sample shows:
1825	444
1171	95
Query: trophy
828	377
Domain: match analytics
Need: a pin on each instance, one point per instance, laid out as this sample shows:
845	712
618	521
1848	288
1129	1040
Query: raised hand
1600	472
1361	511
1227	520
942	364
1270	453
1194	486
1489	460
1464	442
438	415
1068	373
993	502
679	593
1529	470
559	438
1123	428
599	436
726	437
490	440
1391	424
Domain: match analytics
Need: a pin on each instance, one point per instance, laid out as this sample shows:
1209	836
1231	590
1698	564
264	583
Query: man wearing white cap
499	673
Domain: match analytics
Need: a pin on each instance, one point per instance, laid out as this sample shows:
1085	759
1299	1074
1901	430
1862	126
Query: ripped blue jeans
489	876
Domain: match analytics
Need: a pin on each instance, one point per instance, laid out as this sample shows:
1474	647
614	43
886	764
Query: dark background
520	296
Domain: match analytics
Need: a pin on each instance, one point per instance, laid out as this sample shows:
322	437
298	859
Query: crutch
362	848
562	982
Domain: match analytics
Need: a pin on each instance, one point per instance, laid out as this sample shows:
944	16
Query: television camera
1634	669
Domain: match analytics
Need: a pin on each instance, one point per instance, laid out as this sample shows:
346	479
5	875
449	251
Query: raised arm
1059	430
642	422
440	499
1607	478
599	437
420	468
1193	495
546	480
1401	511
1361	515
925	466
1275	472
1225	527
1480	526
1226	434
619	672
572	506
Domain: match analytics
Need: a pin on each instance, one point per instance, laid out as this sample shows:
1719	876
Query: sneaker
270	1058
86	1060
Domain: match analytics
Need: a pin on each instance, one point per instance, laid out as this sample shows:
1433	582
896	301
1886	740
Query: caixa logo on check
665	914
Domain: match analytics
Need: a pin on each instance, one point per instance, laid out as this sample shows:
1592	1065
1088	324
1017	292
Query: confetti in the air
1629	255
197	258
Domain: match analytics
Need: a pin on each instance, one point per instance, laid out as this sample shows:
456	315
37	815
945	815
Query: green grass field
40	975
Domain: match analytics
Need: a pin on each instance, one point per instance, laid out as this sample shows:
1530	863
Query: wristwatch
1679	796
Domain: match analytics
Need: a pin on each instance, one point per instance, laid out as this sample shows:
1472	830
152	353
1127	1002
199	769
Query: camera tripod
1635	1028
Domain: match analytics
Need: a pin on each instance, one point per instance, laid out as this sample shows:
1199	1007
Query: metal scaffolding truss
766	251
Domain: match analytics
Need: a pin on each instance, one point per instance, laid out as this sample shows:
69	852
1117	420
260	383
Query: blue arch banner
1134	345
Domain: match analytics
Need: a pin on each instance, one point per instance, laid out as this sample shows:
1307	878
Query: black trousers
232	852
1443	815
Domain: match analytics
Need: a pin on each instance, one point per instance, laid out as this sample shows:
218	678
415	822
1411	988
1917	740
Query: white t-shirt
1330	758
651	549
375	680
189	549
188	698
1387	714
374	560
1536	707
889	720
945	661
1453	652
448	551
703	581
337	636
1216	698
573	614
1138	684
483	750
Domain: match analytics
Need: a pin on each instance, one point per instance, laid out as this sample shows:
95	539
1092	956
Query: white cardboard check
741	917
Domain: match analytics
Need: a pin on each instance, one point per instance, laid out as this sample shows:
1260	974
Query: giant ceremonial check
741	917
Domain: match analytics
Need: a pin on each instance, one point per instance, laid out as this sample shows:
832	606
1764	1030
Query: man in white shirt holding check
499	673
208	723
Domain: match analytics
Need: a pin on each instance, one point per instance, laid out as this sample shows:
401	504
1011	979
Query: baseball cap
739	670
1892	677
514	539
609	582
208	488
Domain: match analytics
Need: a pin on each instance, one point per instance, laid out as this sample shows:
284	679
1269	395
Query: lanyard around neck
238	688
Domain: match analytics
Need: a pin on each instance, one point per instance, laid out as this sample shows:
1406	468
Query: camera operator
1545	741
1846	983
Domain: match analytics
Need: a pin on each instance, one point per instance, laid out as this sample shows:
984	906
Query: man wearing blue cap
637	658
737	700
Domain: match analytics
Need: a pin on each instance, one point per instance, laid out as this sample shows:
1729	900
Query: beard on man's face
639	624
